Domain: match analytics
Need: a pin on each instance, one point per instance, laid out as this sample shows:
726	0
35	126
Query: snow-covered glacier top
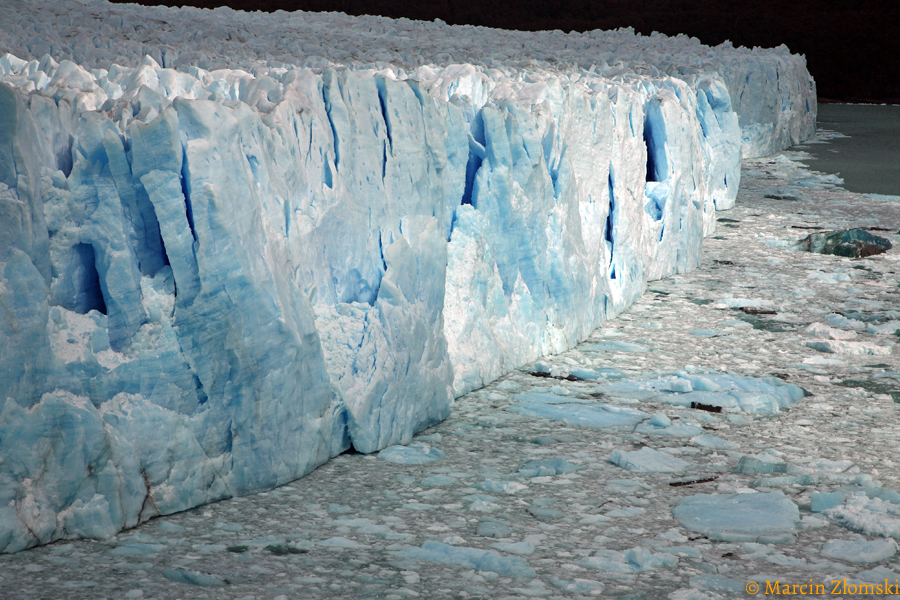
234	244
765	85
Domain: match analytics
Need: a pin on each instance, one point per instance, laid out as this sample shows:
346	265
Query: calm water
868	160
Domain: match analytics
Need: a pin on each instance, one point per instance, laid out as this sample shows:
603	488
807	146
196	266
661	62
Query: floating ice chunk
136	549
821	360
626	486
860	551
193	577
502	487
660	420
707	440
614	347
485	506
683	551
583	413
626	513
889	328
783	480
578	586
413	454
692	594
822	331
748	394
681	428
636	560
738	303
720	584
440	481
822	501
845	347
869	516
647	460
829	277
769	518
705	333
878	575
469	558
521	548
592	374
842	321
761	463
340	543
552	466
493	529
593	519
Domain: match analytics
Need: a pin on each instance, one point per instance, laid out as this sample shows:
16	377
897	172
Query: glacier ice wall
229	253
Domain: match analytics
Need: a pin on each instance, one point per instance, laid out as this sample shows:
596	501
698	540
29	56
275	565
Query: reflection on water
868	160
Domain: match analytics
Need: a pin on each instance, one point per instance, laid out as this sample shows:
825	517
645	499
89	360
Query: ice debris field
236	245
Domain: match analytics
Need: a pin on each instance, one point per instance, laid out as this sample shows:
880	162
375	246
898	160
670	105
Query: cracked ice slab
767	395
583	413
469	558
766	518
648	460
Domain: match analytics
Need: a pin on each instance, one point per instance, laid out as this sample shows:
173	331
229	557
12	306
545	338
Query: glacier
233	247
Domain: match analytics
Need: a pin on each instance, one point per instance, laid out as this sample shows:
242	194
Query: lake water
869	159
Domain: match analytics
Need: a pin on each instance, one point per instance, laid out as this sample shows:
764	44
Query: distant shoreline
873	101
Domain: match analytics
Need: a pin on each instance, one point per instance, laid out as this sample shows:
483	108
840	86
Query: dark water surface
868	160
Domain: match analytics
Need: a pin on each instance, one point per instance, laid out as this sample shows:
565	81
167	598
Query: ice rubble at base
227	257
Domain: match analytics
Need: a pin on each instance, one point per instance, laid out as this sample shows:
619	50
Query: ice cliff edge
222	266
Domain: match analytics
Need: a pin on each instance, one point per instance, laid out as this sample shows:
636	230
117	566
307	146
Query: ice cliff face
220	272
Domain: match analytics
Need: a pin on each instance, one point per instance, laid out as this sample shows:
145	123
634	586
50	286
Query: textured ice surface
470	558
635	560
413	454
648	460
726	391
583	413
871	516
844	347
226	255
769	518
860	551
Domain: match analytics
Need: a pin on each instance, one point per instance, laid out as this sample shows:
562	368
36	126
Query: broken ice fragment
762	463
573	411
614	347
553	466
193	577
503	487
870	516
845	347
860	551
850	243
769	518
706	440
647	460
468	558
414	454
636	560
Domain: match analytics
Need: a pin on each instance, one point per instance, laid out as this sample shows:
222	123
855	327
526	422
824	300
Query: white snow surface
232	246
